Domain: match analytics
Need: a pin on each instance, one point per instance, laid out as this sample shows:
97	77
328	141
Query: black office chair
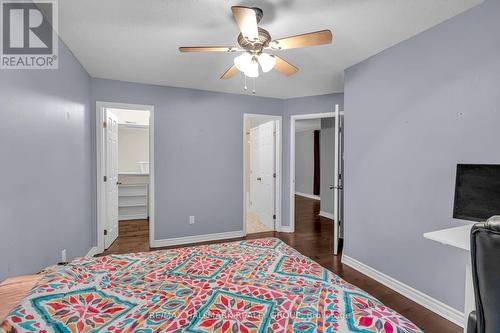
485	251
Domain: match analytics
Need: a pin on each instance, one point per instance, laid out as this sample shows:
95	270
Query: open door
111	178
263	173
337	180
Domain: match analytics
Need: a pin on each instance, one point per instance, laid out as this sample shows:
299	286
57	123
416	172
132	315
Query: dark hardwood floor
133	236
313	237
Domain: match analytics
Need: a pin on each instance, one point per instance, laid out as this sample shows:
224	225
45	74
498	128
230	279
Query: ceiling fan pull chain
253	92
245	87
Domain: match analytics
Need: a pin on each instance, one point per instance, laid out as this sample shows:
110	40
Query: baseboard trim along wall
285	228
325	214
197	239
128	217
310	196
419	297
92	252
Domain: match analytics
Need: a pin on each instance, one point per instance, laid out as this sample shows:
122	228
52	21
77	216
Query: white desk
459	237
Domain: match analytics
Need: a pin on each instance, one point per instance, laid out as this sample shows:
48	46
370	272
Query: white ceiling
138	41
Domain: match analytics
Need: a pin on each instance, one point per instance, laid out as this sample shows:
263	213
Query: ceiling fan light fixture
267	62
252	70
243	61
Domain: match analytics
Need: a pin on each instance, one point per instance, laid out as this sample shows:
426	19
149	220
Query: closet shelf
133	201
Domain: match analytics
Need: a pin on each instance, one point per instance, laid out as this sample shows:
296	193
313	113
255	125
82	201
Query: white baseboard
125	217
326	214
286	228
197	239
310	196
419	297
92	252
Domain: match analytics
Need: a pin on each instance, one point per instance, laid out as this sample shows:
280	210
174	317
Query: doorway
125	173
262	173
316	169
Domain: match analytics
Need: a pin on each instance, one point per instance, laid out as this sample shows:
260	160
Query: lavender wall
412	113
198	153
296	106
45	195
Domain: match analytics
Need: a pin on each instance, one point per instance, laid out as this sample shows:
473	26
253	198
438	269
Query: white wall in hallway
133	147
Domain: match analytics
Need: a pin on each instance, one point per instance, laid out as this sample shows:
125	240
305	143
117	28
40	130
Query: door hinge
274	217
274	175
105	178
104	124
105	232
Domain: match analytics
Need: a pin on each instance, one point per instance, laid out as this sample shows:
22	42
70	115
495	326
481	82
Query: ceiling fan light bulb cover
267	62
253	69
243	61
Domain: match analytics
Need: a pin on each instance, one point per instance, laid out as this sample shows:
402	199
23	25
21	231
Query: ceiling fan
254	41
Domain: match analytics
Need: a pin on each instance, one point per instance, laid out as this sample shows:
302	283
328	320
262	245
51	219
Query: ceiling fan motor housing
258	45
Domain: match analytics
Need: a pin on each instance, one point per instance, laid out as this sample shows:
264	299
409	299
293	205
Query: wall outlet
63	255
191	220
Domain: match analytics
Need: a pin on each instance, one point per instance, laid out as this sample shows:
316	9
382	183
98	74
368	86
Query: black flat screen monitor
477	192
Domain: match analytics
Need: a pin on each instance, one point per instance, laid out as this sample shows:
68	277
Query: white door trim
292	157
100	151
278	168
336	172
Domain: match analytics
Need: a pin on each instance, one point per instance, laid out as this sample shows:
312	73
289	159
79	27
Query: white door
337	180
111	172
262	173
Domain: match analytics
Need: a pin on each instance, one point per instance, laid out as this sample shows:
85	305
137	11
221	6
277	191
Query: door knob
331	187
259	179
118	183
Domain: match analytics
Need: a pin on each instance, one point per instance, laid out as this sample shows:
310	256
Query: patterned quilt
259	285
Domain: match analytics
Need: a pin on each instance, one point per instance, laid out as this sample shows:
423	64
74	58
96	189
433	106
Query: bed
260	285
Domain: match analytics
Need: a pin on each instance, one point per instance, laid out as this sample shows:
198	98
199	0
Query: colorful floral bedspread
259	285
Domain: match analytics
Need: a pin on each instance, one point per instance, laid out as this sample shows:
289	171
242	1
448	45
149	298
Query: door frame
100	166
292	157
278	167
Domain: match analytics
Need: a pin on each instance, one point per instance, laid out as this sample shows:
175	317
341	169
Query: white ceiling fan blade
229	73
247	22
310	39
208	49
285	67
